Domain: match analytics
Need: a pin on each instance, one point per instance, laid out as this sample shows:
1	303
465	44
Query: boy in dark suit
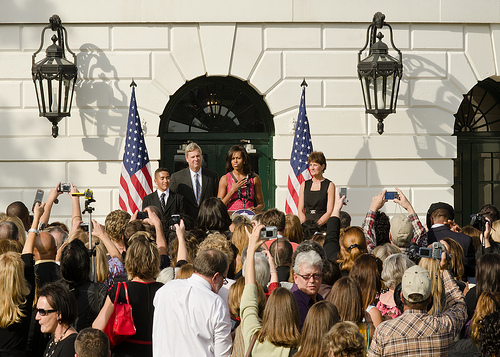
166	200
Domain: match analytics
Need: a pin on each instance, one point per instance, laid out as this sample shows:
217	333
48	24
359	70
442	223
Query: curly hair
115	224
344	340
489	334
217	241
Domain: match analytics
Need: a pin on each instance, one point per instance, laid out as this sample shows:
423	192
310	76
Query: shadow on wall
445	99
100	101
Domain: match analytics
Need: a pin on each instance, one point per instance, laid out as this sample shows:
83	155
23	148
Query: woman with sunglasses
17	292
56	311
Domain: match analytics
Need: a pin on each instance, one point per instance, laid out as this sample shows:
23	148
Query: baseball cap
416	284
401	228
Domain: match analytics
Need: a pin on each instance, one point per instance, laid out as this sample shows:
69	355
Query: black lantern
379	73
54	76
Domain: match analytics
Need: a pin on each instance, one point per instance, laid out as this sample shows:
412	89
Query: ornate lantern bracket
379	72
54	76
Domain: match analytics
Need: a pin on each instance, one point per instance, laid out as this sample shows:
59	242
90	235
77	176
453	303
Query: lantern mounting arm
371	34
62	34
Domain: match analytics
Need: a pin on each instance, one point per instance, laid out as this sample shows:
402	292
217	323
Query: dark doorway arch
477	166
218	112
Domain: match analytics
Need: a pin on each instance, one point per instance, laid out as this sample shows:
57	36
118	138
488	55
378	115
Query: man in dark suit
166	200
194	183
439	216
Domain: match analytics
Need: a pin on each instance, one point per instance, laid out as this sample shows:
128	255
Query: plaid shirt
419	233
416	333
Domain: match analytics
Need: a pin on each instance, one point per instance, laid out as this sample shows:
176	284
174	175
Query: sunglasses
43	312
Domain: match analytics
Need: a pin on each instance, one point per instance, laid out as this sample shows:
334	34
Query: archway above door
217	113
477	166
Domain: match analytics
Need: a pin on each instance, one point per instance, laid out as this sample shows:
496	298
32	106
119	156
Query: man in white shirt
190	319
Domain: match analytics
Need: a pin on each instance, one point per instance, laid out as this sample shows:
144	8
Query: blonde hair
102	265
14	288
437	284
240	240
487	303
217	241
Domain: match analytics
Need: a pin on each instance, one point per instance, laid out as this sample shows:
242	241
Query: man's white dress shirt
190	320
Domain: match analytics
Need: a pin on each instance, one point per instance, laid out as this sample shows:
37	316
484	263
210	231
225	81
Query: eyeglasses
43	312
309	276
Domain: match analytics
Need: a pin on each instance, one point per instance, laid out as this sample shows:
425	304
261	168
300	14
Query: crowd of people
205	270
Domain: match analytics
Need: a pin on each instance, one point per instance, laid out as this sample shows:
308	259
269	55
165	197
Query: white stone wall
447	46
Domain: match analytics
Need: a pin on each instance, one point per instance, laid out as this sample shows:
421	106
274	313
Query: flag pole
133	84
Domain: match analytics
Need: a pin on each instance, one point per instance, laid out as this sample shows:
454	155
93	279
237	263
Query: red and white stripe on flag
135	179
299	167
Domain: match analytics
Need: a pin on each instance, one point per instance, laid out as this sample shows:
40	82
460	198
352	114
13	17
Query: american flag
135	179
299	168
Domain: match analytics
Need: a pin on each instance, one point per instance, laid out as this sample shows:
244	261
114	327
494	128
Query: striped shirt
416	333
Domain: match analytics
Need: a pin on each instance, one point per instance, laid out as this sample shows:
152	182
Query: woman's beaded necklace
54	342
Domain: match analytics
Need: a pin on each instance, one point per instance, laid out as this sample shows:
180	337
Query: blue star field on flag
302	144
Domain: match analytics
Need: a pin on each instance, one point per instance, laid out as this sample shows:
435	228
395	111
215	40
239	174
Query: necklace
53	344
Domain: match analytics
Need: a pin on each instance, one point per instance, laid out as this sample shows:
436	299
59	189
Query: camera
84	227
478	221
176	219
269	233
434	252
64	187
142	215
390	195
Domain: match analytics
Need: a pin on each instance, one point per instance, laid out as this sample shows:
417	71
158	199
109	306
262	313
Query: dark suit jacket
438	233
180	182
174	205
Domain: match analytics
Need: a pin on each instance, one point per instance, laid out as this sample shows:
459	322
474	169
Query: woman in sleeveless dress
240	188
317	195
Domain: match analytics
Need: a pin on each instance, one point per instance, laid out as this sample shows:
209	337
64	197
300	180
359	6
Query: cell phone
64	187
176	219
343	192
269	233
142	215
38	198
390	195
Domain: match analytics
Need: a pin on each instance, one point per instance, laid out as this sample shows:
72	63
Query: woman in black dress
317	195
56	311
143	265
